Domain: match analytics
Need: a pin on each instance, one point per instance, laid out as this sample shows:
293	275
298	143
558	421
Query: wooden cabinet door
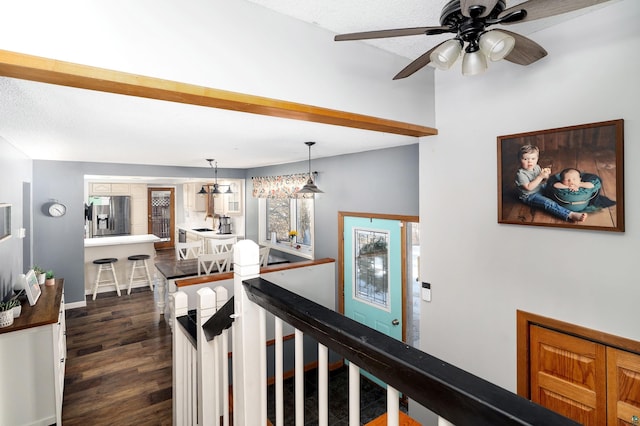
623	387
568	375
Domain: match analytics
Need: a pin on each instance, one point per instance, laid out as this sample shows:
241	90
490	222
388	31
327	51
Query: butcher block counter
120	247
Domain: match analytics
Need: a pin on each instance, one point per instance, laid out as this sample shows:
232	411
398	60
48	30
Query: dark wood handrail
263	270
452	393
220	321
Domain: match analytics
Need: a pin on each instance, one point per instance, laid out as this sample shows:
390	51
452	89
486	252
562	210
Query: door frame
172	224
403	243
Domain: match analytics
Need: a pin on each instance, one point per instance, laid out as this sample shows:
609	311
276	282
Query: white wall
482	272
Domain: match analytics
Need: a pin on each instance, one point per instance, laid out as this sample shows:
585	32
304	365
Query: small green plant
50	274
37	269
9	304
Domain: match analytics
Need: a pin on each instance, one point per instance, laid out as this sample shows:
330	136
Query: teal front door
373	278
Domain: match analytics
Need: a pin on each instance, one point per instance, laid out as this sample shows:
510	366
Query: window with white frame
279	218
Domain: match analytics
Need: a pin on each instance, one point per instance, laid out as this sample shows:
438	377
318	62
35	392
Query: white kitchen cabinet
139	207
98	188
233	202
193	201
103	188
33	352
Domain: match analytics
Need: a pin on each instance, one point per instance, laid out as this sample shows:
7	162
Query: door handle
395	322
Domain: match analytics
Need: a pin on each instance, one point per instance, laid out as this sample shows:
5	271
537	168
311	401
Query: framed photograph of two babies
570	177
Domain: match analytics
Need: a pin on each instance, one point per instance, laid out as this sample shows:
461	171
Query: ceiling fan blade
537	9
400	32
466	7
525	51
421	62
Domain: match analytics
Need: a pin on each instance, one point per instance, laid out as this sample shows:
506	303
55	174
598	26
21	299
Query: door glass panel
371	267
161	214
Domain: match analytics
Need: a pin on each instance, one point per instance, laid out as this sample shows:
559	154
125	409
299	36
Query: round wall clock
57	209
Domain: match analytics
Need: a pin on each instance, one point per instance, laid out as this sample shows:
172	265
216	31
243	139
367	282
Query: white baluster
299	377
354	395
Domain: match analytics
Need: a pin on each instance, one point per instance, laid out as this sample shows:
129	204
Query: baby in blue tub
575	191
572	180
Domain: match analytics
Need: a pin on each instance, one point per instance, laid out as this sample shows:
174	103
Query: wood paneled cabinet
588	381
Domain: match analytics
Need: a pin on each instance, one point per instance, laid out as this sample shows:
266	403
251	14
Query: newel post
207	413
249	350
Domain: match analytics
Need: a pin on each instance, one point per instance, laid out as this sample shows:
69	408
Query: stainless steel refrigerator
110	215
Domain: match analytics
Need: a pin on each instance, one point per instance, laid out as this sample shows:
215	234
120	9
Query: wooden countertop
45	311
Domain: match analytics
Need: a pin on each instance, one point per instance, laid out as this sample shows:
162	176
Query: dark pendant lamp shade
309	187
216	188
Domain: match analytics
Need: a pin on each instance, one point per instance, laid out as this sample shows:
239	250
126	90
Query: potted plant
50	278
39	273
6	312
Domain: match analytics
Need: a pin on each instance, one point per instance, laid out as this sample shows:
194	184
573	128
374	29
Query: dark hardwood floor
119	361
118	369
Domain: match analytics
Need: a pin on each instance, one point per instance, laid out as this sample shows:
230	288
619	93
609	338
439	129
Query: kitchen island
120	247
204	235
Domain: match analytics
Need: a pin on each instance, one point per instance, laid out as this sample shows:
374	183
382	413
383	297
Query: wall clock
56	209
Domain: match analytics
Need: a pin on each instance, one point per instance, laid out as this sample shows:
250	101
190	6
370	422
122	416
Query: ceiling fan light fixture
496	44
445	55
474	63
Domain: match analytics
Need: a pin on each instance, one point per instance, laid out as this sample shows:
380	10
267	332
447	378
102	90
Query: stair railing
455	395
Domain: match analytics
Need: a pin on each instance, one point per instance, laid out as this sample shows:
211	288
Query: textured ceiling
49	122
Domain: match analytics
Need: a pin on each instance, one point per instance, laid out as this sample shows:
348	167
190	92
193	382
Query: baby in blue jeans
531	180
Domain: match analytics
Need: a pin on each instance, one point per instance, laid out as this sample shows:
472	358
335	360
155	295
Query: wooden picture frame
595	150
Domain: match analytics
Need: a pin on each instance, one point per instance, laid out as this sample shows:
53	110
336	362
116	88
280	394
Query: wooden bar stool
139	262
106	264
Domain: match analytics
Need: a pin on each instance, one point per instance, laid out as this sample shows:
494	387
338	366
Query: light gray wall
59	242
15	170
481	272
382	181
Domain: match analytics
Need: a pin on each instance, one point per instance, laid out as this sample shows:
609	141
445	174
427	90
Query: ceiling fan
469	20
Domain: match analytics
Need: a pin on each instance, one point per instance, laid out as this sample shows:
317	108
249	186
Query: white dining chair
188	250
264	256
222	245
214	262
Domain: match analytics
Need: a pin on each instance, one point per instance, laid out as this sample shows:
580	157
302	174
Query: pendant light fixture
216	188
309	187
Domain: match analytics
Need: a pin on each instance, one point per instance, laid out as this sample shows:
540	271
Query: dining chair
188	250
214	262
264	256
223	245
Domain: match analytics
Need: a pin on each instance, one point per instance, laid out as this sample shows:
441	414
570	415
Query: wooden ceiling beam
34	68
